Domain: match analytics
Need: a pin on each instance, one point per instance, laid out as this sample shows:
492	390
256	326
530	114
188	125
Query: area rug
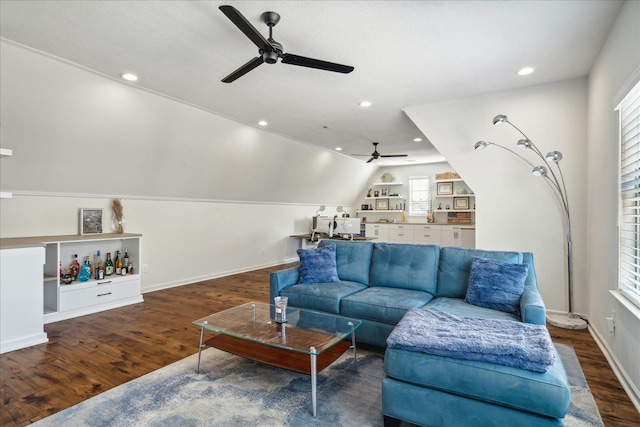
232	391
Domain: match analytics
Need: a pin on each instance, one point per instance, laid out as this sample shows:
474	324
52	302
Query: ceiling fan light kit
270	50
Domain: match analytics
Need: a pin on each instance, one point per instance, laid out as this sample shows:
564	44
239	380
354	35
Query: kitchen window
419	197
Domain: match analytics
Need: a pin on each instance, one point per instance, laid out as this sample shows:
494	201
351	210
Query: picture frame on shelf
385	192
90	221
382	204
445	189
460	203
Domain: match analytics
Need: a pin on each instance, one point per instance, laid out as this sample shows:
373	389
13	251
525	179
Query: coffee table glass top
304	328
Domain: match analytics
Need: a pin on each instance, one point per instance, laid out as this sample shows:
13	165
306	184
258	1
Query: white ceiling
405	53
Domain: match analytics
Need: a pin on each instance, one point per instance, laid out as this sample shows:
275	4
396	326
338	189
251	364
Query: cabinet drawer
401	235
428	236
100	293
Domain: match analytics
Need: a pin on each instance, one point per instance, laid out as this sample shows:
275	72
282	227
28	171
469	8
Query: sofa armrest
532	307
282	279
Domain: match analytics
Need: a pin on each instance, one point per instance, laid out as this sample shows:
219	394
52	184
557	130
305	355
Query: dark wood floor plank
91	354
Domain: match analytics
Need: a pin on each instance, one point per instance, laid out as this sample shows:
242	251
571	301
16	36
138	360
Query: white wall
515	210
210	195
615	71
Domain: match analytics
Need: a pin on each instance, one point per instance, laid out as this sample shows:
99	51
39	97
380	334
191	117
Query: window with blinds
629	219
419	201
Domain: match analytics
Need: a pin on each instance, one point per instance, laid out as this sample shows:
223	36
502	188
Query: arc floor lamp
552	174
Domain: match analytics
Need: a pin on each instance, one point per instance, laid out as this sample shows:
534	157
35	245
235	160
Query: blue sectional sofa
379	282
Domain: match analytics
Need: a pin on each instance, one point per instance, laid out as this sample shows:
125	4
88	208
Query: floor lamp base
566	322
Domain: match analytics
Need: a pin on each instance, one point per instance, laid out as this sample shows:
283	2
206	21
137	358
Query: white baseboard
23	342
618	370
188	281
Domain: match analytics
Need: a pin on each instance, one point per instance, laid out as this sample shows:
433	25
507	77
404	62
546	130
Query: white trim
626	87
167	285
618	370
160	198
22	342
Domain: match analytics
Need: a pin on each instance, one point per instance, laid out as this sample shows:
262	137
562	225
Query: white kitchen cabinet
432	234
400	233
379	231
427	234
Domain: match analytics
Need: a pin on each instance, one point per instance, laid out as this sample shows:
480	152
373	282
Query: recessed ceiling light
365	104
417	139
129	77
263	123
525	71
338	148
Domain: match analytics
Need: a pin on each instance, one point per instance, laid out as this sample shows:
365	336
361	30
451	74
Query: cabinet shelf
450	180
384	197
382	184
454	210
443	196
379	211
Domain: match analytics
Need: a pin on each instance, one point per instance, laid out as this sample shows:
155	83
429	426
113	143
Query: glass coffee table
309	342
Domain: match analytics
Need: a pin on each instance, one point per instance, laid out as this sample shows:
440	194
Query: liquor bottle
100	270
61	270
75	267
118	263
130	268
97	263
126	259
108	265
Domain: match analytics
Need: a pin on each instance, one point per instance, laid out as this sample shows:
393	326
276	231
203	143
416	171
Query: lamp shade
524	143
554	156
480	145
499	119
539	171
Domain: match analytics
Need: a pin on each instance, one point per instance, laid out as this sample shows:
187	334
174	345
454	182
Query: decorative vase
118	225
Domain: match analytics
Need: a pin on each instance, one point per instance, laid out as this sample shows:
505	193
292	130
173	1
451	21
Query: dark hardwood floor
91	354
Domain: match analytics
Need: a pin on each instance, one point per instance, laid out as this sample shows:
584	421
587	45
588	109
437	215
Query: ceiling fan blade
245	26
302	61
393	155
370	160
253	63
362	155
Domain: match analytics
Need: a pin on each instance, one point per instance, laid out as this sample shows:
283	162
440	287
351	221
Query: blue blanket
507	342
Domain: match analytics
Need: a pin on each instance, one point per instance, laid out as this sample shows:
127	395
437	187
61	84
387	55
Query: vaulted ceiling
405	53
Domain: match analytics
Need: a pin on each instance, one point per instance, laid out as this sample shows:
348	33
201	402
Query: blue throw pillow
318	265
497	285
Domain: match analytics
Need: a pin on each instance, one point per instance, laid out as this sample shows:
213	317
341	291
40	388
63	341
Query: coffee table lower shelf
275	356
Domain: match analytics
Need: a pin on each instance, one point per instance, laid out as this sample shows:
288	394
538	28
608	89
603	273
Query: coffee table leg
313	355
353	345
200	346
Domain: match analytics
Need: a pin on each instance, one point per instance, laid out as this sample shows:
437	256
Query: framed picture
385	192
382	204
445	188
90	221
460	203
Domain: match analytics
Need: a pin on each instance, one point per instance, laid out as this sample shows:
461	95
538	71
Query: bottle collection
96	269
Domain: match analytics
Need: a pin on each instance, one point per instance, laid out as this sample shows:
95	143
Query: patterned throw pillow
497	285
318	265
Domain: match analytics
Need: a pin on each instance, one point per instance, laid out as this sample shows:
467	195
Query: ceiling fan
375	155
269	49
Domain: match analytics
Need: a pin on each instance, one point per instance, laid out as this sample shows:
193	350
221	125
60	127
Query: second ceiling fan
375	155
270	50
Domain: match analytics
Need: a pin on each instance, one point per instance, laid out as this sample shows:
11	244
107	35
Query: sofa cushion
405	266
353	259
455	265
383	304
545	393
321	296
318	265
458	307
495	284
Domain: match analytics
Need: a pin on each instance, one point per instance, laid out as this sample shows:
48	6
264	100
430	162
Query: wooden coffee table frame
307	362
